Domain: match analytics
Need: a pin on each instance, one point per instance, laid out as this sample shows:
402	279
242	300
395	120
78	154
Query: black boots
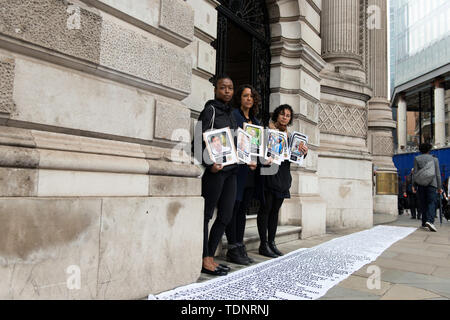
274	248
244	253
235	255
265	250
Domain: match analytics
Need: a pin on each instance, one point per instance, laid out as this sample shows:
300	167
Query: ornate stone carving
382	146
343	120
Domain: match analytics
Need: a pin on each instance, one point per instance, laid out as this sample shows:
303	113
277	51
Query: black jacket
244	170
223	118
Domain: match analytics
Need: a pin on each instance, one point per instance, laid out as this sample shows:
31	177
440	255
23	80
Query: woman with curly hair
246	102
275	188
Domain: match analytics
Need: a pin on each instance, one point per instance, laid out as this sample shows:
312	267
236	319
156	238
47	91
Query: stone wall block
143	243
16	182
46	242
177	16
51	24
15	157
174	186
133	53
171	117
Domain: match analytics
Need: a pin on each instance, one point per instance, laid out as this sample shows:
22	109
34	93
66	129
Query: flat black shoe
264	250
217	272
274	249
224	267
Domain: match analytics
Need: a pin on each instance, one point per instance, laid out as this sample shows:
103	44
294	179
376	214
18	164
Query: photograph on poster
220	146
257	139
298	140
276	143
243	146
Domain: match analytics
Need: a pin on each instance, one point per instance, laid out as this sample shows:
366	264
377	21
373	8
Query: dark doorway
243	46
238	64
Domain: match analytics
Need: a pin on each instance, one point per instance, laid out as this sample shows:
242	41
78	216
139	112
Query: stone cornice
345	93
291	48
22	148
161	32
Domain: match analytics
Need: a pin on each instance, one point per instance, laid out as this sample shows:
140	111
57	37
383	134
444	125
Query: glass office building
420	70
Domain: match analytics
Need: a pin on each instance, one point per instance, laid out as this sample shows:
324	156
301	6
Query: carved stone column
345	163
380	122
340	31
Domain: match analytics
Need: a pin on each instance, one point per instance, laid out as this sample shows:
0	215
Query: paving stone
361	284
340	293
404	265
418	251
439	248
438	240
441	262
431	283
389	254
442	272
402	292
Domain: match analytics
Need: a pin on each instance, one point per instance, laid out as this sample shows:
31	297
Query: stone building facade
97	100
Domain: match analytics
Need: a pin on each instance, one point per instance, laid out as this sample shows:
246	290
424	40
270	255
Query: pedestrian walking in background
411	195
428	178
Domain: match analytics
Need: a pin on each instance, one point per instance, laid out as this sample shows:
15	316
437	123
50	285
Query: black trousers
218	189
268	217
236	228
412	201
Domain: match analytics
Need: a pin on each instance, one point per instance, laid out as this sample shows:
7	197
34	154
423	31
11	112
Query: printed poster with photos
257	139
220	146
298	140
243	146
276	147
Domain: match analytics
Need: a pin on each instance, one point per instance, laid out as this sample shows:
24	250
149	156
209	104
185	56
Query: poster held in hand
298	140
243	146
276	146
257	139
220	146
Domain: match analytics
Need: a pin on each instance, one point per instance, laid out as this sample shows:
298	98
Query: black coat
223	119
243	170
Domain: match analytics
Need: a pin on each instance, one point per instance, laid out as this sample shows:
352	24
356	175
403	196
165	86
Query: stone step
251	221
251	237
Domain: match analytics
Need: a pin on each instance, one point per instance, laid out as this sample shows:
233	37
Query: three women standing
231	188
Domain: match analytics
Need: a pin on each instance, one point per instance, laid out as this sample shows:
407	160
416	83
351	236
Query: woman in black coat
275	188
246	100
218	182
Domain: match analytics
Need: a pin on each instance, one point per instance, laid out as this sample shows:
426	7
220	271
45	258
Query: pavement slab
437	285
402	292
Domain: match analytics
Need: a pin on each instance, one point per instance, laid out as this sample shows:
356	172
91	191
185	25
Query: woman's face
247	99
224	90
284	117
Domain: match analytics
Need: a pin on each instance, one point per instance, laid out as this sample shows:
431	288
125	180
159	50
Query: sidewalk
414	268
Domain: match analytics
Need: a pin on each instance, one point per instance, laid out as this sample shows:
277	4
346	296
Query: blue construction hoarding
405	162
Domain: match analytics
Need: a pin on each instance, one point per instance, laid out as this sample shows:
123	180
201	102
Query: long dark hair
278	110
256	99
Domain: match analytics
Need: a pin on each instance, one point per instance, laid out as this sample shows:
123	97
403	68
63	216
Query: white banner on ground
305	274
